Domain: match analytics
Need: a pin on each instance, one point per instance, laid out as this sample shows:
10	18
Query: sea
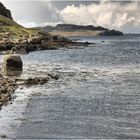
97	95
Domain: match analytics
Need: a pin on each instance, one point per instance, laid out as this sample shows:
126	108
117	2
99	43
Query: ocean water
97	95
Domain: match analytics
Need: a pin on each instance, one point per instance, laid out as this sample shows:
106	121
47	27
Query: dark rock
31	48
13	62
55	37
1	76
2	47
5	12
111	33
34	81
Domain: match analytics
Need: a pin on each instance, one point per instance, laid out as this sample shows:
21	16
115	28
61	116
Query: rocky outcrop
111	33
4	11
13	62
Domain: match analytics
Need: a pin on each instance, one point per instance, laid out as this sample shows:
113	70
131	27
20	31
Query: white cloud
113	15
34	24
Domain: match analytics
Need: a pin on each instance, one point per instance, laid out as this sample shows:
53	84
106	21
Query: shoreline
8	86
39	44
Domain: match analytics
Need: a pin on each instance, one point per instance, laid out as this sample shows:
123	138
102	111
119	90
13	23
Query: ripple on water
96	96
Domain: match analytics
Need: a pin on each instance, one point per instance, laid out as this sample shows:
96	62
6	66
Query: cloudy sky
120	15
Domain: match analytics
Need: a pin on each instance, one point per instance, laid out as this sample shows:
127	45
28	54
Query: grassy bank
9	29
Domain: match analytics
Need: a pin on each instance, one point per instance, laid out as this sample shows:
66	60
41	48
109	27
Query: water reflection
12	72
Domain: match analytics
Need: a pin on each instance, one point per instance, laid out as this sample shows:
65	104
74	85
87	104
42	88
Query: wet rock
13	62
7	87
12	73
35	81
55	77
3	136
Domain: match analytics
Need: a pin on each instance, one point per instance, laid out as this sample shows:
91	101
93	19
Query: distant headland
80	30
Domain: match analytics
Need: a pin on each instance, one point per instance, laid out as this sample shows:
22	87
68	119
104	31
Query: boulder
13	62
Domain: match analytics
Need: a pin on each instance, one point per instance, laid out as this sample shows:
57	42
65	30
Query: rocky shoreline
10	77
16	39
27	44
8	86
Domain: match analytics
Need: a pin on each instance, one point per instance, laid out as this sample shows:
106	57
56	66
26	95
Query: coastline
8	87
38	44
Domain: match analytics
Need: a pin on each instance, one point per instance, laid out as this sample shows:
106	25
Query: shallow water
97	94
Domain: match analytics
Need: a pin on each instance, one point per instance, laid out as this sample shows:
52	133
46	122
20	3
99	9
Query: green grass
6	21
14	29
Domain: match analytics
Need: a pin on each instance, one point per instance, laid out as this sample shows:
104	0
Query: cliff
5	12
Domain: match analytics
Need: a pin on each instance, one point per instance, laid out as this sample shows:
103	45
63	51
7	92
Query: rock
2	47
55	37
13	62
12	73
24	42
1	76
111	33
36	40
30	48
5	12
35	81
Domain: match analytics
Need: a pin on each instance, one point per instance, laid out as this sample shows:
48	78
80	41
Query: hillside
80	30
10	28
15	38
10	31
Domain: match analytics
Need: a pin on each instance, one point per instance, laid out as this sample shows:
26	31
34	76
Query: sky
119	15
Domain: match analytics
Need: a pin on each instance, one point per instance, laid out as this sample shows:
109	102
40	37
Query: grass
14	29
